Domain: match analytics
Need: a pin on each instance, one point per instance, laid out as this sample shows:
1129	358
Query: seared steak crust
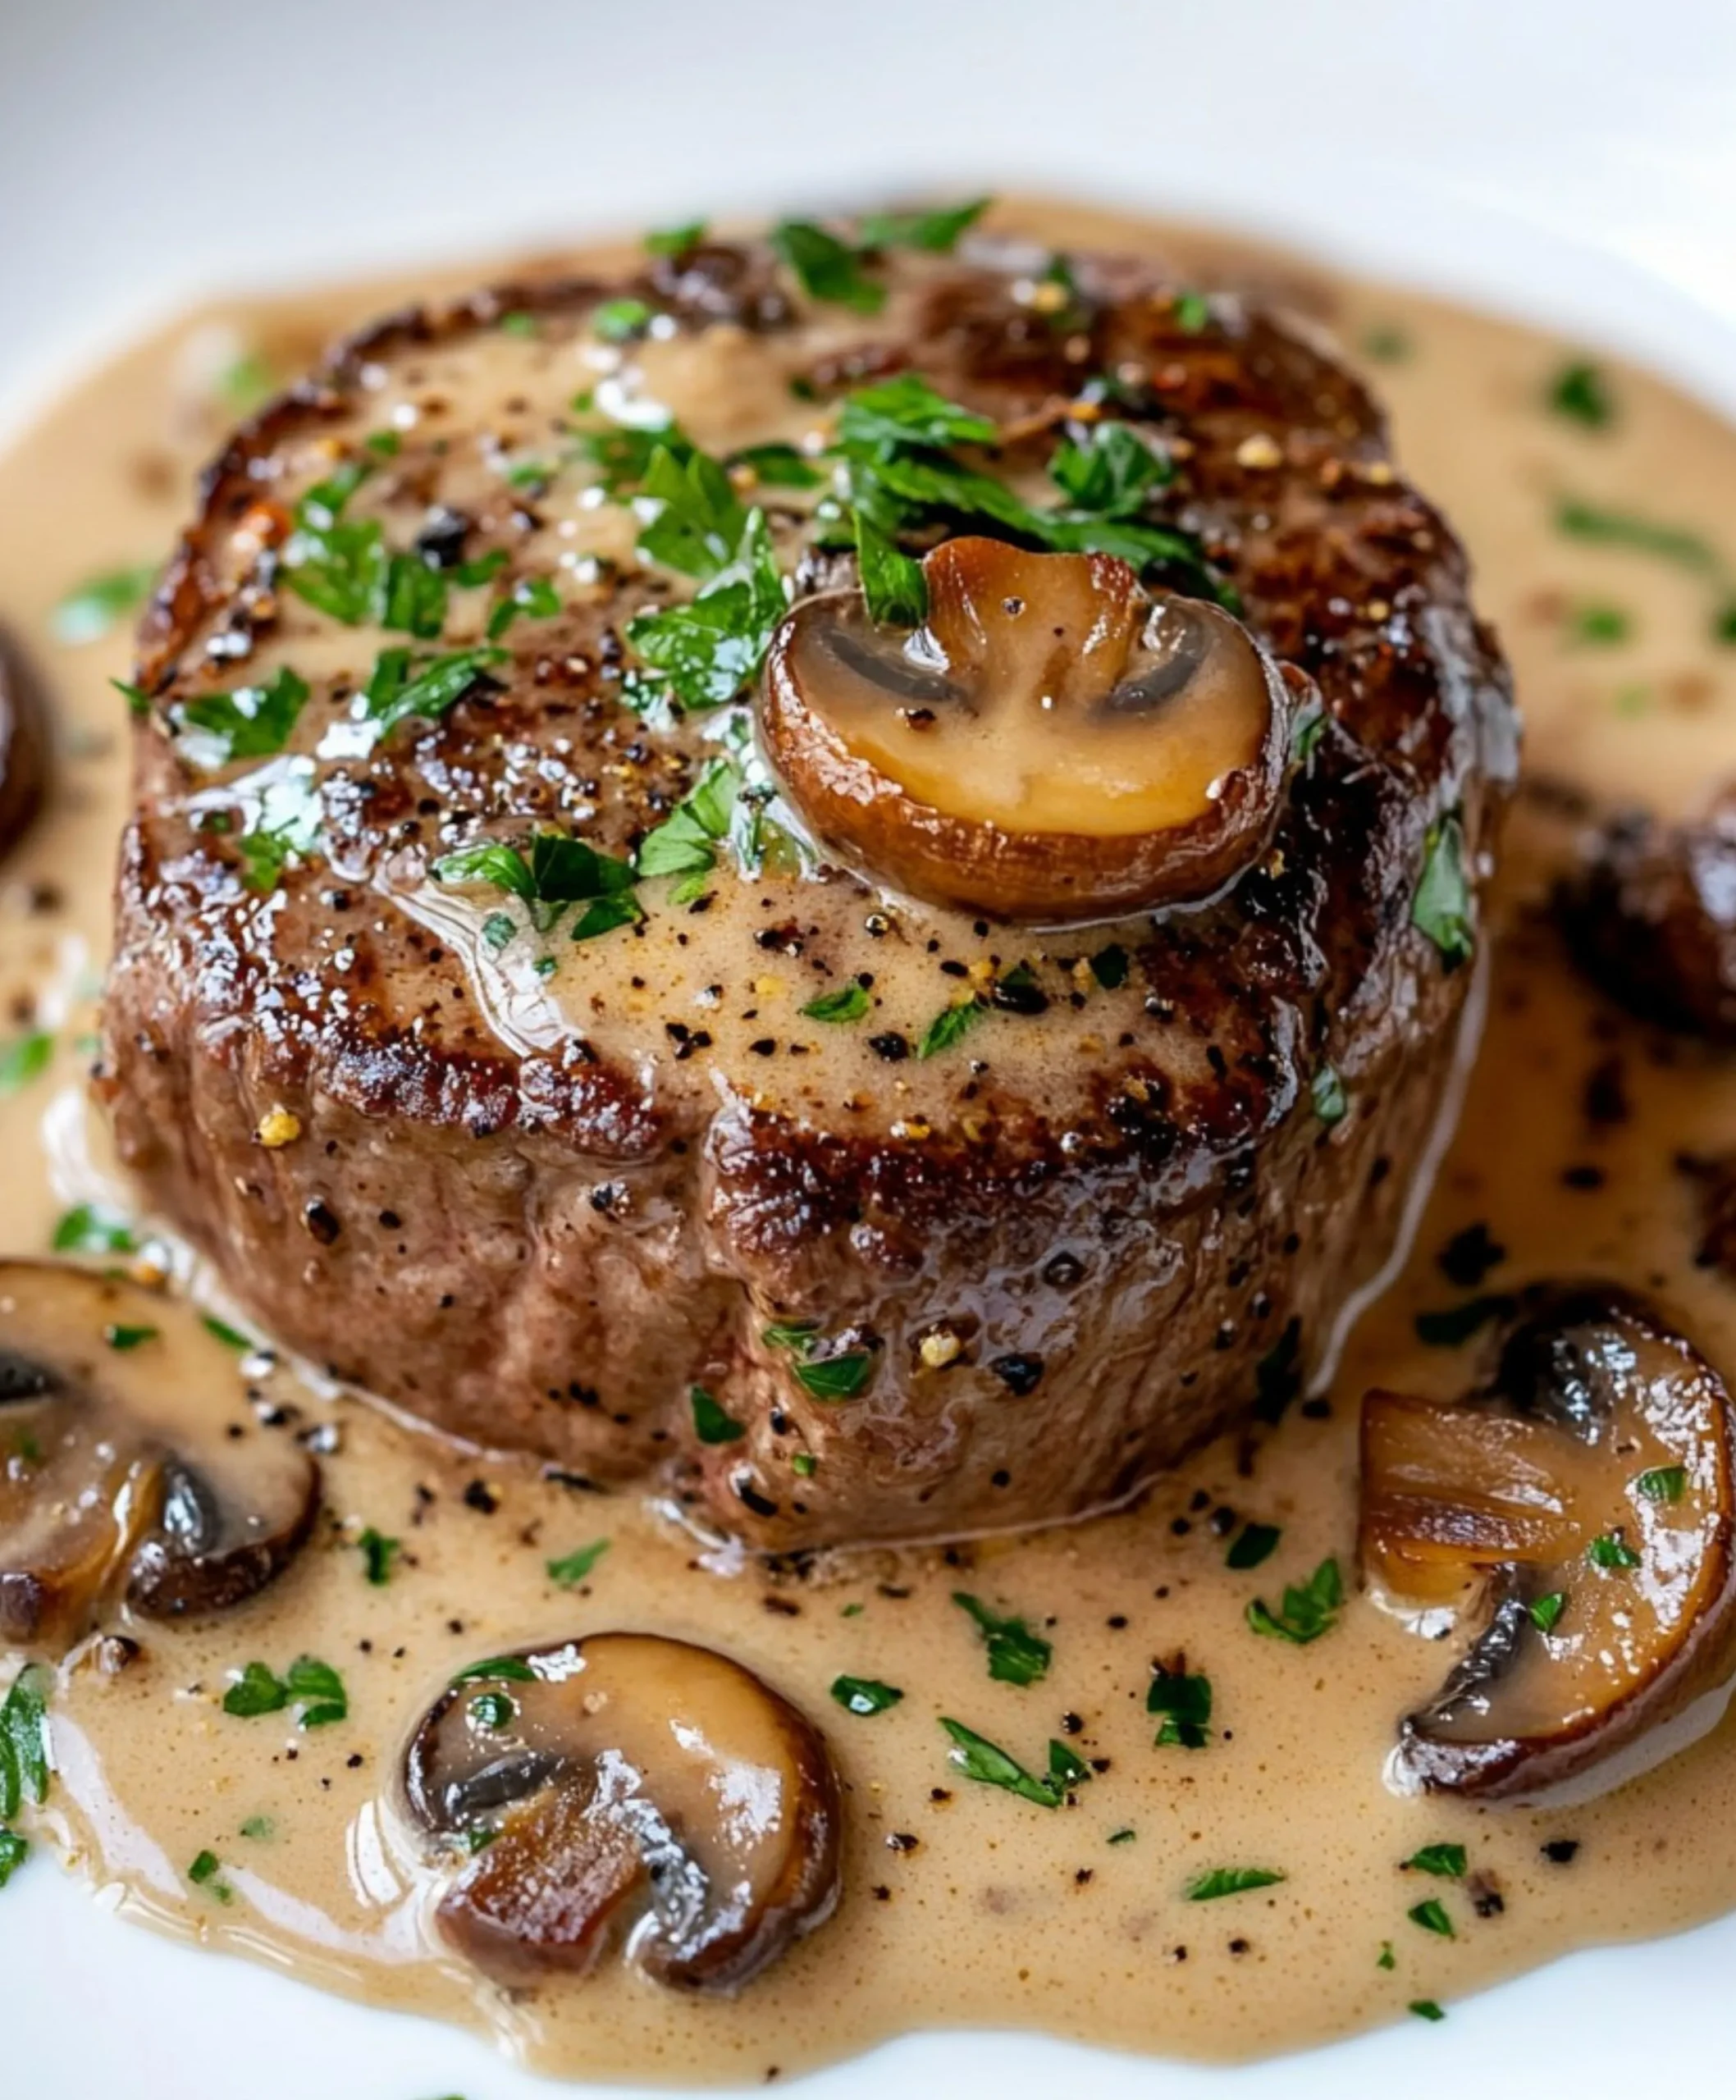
538	1219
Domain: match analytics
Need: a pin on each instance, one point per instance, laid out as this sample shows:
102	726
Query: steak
687	1162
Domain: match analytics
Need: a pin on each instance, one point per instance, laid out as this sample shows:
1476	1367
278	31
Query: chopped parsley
1442	906
1111	474
1253	1545
221	1330
1310	1609
1184	1702
1108	966
1426	2009
709	649
403	686
620	320
492	1709
1448	1862
1663	1483
685	844
905	413
124	1338
936	232
338	566
676	240
24	1763
989	1765
99	606
511	1670
848	1003
1325	1090
893	585
14	1851
88	1228
865	1694
839	1377
1546	1612
1580	392
1015	1654
553	871
826	267
1625	528
26	1057
1609	1549
711	1424
1599	624
313	1688
949	1028
1124	1836
1231	1881
252	722
378	1552
777	465
569	1572
535	597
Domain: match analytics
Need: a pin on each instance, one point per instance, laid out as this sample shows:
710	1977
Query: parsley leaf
676	240
711	1424
87	1228
1111	473
571	1571
1231	1881
1546	1612
378	1552
620	320
838	1377
1446	1861
1186	1704
25	1058
99	606
14	1851
1326	1091
685	843
24	1764
1310	1609
865	1694
1622	529
893	584
905	412
1015	1654
949	1027
1253	1543
1442	906
1609	1550
1663	1483
826	267
555	871
1426	2009
1580	392
401	686
700	521
1432	1916
990	1766
313	1687
253	722
709	649
935	232
848	1003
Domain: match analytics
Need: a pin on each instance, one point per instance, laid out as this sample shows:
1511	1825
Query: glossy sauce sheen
963	1905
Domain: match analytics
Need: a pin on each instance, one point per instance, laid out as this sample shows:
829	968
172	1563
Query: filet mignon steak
669	1155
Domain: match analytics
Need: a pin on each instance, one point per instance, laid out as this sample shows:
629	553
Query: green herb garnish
936	232
568	1573
1310	1609
1448	1862
313	1687
1015	1654
848	1003
990	1766
1442	906
1546	1612
711	1424
826	267
86	1229
1186	1704
893	585
1609	1550
1326	1091
1231	1881
25	1058
1252	1545
253	722
99	606
1432	1916
949	1027
1580	392
865	1694
1663	1483
378	1552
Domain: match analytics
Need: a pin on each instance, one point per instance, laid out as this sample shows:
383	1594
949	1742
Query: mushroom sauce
1143	1865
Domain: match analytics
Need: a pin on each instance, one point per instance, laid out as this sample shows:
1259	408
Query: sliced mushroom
1651	916
626	1788
1578	1509
122	1473
24	745
1052	745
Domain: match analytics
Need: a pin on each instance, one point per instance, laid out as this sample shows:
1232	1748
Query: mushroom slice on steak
24	745
1051	744
627	1786
1580	1507
128	1466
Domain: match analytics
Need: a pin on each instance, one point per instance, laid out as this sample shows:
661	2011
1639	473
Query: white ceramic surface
1572	159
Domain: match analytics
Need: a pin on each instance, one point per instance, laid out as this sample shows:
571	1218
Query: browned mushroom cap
626	1787
1652	915
24	745
119	1473
1052	745
1579	1509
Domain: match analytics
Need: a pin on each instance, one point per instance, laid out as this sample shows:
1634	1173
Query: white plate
1571	159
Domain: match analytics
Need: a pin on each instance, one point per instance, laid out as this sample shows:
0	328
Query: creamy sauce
963	1905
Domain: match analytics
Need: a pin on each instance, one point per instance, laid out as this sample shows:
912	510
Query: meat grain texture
539	1208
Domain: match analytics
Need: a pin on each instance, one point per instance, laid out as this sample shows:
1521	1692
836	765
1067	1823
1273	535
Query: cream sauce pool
963	1905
